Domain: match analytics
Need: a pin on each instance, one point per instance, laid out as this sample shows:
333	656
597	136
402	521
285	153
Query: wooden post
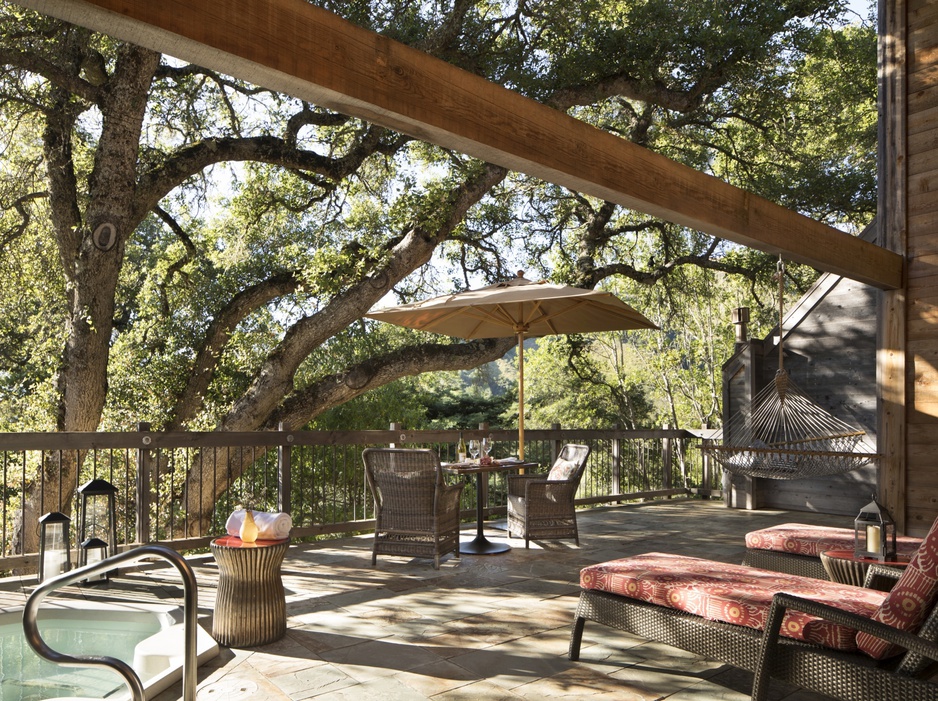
896	389
616	449
284	472
395	426
556	445
142	485
666	460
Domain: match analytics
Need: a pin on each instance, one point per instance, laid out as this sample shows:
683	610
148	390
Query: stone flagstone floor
490	627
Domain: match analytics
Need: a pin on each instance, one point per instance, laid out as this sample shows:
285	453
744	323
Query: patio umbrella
519	307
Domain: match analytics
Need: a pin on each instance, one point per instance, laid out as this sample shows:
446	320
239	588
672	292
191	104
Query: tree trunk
91	271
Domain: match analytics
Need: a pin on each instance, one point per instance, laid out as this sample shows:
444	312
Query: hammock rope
785	434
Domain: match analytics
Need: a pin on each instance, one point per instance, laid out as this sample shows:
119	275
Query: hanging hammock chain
780	273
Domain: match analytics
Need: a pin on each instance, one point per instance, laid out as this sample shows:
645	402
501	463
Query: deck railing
316	476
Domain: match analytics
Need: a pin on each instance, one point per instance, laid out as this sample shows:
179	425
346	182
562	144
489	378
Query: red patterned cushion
731	593
910	600
803	539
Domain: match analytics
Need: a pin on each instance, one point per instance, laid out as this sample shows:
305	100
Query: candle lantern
54	550
874	533
94	550
98	520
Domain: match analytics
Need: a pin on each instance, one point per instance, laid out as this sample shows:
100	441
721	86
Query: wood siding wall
921	80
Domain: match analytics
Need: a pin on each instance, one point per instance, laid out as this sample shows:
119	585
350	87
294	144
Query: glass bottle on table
461	449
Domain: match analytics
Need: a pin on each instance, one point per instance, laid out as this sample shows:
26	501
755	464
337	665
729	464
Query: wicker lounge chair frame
539	508
789	563
416	512
851	676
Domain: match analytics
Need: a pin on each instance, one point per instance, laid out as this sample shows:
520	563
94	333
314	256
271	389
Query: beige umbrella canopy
519	308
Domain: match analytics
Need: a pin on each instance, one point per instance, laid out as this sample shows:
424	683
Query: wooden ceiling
299	49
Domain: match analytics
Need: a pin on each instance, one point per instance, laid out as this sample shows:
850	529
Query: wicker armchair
541	505
416	512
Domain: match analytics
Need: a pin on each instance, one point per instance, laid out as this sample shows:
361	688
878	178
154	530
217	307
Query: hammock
786	435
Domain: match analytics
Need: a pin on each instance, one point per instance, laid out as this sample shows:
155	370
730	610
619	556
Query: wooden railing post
142	486
556	445
396	426
667	459
616	449
284	472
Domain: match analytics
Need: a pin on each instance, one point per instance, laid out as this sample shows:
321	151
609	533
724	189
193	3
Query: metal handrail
132	679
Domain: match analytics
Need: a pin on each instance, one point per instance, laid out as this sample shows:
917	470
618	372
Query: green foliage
773	96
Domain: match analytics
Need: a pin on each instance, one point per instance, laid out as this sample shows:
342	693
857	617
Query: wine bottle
461	449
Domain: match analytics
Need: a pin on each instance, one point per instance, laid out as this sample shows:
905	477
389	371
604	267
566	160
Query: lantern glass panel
54	556
94	550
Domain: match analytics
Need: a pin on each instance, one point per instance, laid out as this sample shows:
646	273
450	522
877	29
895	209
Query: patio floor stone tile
380	658
477	691
312	681
511	667
488	628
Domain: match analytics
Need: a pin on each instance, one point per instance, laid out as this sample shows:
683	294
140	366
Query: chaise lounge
796	548
844	641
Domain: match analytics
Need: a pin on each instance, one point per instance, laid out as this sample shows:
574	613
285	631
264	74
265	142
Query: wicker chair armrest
448	497
517	483
784	602
555	490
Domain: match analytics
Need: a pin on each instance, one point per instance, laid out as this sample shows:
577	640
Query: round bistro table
250	607
844	567
480	545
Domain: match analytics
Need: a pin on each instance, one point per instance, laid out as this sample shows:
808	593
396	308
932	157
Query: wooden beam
297	48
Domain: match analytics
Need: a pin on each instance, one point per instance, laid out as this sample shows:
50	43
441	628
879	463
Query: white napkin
270	526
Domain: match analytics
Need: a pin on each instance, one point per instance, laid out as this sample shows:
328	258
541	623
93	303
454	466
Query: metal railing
131	678
316	476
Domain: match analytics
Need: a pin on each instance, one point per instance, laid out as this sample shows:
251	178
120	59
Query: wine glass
474	448
486	446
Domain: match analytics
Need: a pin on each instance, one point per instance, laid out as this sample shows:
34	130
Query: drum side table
250	607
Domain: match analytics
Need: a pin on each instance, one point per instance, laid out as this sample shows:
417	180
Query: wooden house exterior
294	47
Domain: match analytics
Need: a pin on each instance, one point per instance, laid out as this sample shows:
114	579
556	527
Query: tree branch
176	266
193	159
19	204
328	392
68	81
216	337
274	379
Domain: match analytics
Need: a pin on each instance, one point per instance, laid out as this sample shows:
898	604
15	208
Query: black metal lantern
94	550
874	533
98	518
55	555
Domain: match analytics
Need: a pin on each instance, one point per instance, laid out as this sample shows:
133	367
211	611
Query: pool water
114	632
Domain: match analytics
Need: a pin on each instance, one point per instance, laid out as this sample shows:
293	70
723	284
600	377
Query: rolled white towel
270	526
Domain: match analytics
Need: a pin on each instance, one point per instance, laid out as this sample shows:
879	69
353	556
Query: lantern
97	530
94	550
54	550
874	533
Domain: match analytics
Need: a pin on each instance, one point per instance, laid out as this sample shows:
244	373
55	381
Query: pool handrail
132	679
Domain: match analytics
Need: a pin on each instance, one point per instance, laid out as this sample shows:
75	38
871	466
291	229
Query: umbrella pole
521	396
